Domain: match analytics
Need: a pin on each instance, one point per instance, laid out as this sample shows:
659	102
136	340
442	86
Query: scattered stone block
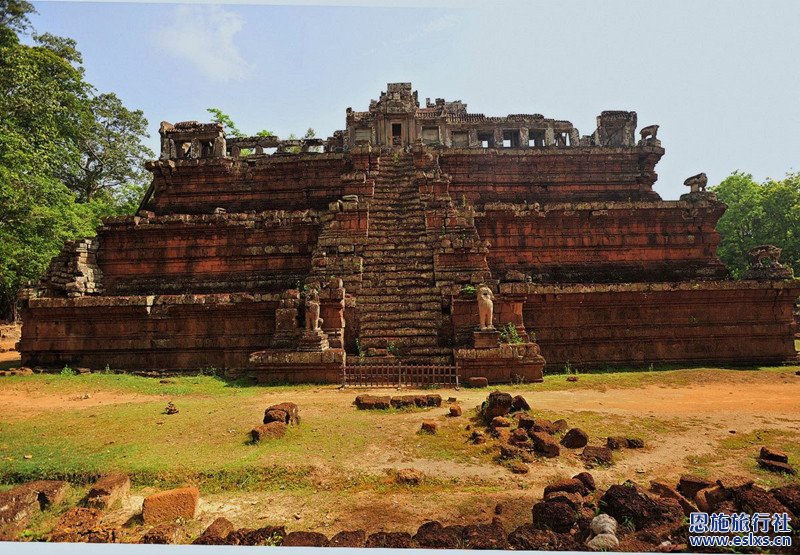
617	442
525	421
558	517
689	485
17	506
409	476
455	410
572	378
497	404
167	506
288	413
571	485
665	490
545	445
575	439
391	540
373	402
433	535
789	496
305	539
574	500
167	533
272	430
485	536
429	427
518	467
629	502
82	525
500	422
268	535
477	382
216	533
587	479
433	400
519	436
560	426
635	443
108	490
543	425
48	492
353	538
754	500
518	403
597	455
776	466
404	401
773	455
708	499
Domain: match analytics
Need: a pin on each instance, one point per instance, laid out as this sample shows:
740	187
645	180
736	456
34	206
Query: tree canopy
68	156
758	214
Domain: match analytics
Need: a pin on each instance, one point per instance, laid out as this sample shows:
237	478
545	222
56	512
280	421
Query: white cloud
434	26
203	36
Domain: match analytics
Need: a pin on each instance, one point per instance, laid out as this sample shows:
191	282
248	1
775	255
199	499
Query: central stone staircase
399	306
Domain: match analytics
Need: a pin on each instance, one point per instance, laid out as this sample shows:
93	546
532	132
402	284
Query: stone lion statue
313	321
697	183
485	307
649	132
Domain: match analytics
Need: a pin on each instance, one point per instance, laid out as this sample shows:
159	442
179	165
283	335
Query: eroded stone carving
649	133
764	264
313	321
485	307
697	183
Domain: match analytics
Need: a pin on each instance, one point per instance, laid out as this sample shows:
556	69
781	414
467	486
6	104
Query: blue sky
720	78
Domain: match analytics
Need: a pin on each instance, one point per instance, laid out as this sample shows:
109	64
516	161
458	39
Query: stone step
408	342
368	315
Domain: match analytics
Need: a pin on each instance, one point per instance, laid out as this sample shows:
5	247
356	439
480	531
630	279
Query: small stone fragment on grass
349	538
773	455
575	439
635	443
776	466
429	427
273	430
518	467
305	539
108	490
500	422
455	410
167	533
170	505
545	445
603	542
560	426
519	403
616	442
597	455
216	532
604	524
171	408
572	378
409	476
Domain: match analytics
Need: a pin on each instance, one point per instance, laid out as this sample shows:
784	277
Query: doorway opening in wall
397	134
536	137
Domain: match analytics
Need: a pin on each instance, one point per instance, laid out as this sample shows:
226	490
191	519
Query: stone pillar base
313	341
506	363
486	339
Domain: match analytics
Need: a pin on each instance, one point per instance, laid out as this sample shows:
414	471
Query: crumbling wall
604	241
551	175
180	253
746	322
74	271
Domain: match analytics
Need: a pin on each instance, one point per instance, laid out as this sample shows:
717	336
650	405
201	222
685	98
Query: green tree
47	117
757	214
221	117
112	153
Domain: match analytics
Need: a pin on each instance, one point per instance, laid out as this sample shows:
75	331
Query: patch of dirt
18	402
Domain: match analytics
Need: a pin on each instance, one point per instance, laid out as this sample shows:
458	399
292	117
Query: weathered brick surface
108	490
167	506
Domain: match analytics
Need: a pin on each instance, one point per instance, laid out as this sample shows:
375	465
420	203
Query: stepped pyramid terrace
421	234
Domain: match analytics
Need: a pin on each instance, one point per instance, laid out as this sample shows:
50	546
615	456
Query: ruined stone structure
383	234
